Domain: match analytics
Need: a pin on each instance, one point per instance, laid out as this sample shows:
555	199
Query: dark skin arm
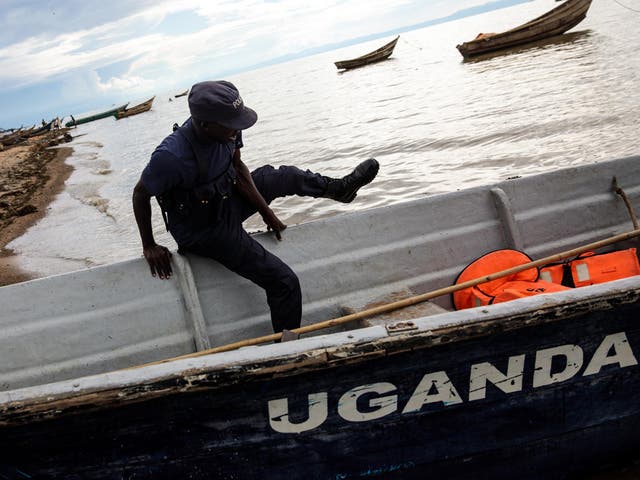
248	190
158	257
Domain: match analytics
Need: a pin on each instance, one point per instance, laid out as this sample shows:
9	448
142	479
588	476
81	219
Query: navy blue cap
220	102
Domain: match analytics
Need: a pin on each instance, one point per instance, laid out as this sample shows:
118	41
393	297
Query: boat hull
382	53
562	374
539	387
554	22
135	110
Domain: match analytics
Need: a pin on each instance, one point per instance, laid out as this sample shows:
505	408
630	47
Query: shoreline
31	176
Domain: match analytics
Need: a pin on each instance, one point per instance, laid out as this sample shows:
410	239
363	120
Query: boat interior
117	316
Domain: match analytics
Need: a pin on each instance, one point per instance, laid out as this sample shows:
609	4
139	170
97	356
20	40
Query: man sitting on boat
206	192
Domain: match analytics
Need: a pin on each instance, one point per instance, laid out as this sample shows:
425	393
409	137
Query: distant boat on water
142	107
554	22
182	94
378	55
108	113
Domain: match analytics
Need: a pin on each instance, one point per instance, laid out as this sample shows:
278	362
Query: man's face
210	132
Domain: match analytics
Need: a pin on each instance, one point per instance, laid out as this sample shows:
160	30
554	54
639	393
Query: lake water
435	123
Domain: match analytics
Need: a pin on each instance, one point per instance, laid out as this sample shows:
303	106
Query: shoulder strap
203	165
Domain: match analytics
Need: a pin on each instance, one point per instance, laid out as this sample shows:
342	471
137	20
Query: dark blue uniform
195	184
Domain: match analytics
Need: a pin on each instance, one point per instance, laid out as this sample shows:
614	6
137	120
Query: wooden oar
410	301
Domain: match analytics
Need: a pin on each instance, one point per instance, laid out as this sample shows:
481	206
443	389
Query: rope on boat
624	6
409	43
407	301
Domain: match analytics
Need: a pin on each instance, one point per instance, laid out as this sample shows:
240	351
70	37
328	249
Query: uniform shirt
174	167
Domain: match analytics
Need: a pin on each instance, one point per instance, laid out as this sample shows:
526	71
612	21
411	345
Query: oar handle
412	300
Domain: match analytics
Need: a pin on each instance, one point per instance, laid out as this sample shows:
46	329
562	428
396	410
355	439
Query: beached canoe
554	22
107	113
17	136
378	55
531	388
42	129
135	110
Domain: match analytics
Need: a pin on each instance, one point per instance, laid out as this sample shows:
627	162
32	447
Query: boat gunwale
566	7
504	39
136	109
256	363
371	57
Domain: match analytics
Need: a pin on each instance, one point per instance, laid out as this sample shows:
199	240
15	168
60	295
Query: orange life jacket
518	285
591	268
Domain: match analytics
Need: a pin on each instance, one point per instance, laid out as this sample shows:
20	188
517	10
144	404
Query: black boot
346	188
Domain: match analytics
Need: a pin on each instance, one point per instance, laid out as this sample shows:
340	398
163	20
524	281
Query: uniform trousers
227	242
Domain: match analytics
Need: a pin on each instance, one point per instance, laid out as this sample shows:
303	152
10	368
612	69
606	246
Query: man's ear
201	123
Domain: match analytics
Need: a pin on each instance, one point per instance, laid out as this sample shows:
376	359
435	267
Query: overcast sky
66	57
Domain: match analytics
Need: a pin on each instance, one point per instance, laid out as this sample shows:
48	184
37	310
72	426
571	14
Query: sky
68	57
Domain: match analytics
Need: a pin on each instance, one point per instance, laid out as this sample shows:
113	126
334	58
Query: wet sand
31	175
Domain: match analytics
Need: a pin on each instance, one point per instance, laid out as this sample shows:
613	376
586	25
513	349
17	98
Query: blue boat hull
541	394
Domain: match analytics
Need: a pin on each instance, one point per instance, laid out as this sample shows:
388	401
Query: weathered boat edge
378	55
234	309
520	35
453	394
218	370
235	422
136	109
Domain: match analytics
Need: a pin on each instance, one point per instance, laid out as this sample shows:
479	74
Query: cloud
226	34
129	83
22	19
168	43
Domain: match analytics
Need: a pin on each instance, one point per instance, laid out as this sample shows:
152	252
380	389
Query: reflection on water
570	38
436	124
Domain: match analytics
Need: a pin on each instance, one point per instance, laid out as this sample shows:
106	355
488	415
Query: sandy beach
31	175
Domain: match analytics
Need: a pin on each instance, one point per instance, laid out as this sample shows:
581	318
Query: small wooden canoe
182	94
142	107
554	22
17	136
378	55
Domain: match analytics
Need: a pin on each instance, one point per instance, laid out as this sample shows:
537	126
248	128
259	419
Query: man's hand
158	257
159	260
273	222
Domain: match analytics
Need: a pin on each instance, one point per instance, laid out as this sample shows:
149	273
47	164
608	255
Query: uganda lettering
437	387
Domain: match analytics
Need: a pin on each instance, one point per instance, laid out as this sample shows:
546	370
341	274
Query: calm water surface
435	123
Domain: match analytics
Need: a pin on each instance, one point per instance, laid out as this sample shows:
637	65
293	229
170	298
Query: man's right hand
273	222
159	260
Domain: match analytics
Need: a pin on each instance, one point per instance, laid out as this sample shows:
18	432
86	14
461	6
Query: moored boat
555	22
17	136
46	127
377	55
538	387
97	116
135	110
